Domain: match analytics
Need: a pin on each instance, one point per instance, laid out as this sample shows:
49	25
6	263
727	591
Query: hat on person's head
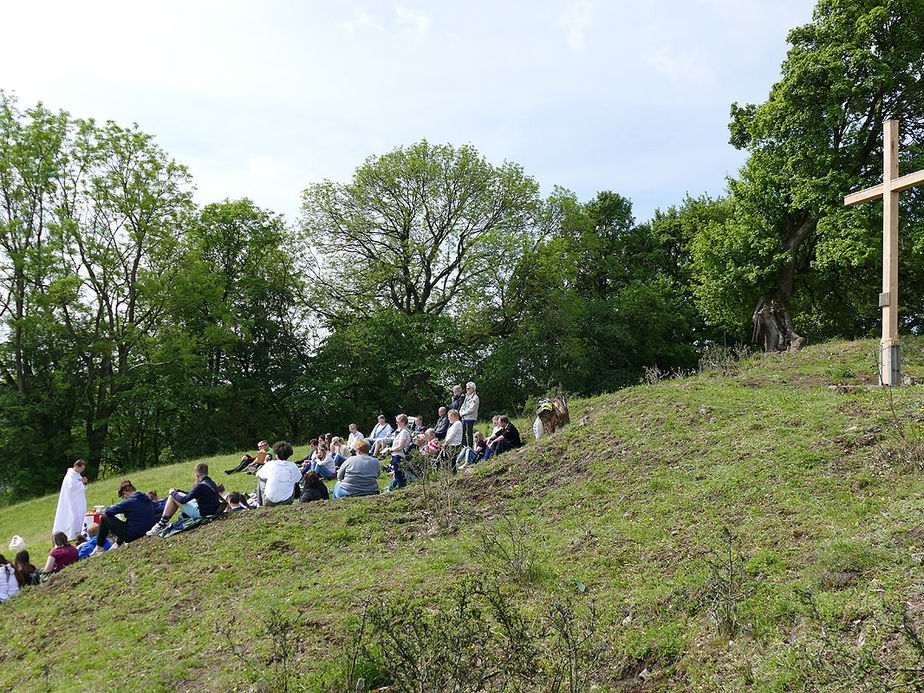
262	443
381	416
17	543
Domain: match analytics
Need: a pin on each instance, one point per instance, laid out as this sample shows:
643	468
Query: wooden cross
890	372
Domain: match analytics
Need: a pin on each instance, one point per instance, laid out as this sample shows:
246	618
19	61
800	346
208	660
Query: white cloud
679	70
416	23
358	20
576	20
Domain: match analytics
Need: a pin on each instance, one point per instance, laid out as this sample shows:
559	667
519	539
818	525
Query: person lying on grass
278	480
203	500
252	463
358	476
138	510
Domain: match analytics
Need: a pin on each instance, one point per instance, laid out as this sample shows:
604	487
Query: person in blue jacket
138	511
89	546
203	499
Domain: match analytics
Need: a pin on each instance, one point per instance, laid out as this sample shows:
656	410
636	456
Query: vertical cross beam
889	347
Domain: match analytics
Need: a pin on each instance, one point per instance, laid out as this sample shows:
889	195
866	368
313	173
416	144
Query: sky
262	99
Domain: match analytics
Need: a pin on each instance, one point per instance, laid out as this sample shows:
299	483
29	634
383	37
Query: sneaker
157	529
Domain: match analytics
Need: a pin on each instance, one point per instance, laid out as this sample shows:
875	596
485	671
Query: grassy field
757	526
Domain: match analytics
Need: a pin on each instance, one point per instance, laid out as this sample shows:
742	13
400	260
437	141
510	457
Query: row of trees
139	328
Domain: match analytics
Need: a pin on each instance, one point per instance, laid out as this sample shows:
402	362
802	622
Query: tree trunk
772	320
773	327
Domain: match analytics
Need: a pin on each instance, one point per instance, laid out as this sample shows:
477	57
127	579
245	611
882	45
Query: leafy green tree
122	206
816	137
421	229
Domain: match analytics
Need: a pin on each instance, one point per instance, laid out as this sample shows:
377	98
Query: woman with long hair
9	585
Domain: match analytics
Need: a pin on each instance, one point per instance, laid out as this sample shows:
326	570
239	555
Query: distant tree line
138	328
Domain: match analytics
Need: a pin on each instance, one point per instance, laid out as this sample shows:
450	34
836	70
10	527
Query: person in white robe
72	503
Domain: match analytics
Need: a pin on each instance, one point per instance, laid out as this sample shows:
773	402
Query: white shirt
280	477
353	439
329	463
72	505
454	434
381	431
8	584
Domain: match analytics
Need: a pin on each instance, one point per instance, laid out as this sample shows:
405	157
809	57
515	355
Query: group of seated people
354	464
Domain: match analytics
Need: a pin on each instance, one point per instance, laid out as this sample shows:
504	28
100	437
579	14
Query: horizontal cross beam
898	185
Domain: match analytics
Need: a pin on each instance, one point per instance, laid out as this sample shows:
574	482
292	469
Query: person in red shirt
63	553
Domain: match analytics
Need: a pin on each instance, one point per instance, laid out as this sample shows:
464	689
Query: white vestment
72	505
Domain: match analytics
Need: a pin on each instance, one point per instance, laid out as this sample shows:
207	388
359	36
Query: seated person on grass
90	544
314	488
382	431
62	553
236	502
432	446
354	437
139	516
325	464
358	476
442	423
203	500
278	479
9	585
469	456
506	438
24	568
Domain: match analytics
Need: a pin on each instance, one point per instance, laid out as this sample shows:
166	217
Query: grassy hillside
749	527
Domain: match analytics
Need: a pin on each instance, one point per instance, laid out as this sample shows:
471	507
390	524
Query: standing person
453	443
398	450
278	480
457	397
138	509
72	503
469	414
203	499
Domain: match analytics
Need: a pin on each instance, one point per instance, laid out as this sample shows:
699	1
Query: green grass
625	507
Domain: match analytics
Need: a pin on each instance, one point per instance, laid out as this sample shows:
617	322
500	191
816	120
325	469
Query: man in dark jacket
507	438
203	500
139	516
442	424
458	397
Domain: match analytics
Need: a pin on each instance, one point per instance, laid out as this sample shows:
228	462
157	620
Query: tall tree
418	230
122	206
817	136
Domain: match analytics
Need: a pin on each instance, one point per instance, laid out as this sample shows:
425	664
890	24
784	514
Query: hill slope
607	540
